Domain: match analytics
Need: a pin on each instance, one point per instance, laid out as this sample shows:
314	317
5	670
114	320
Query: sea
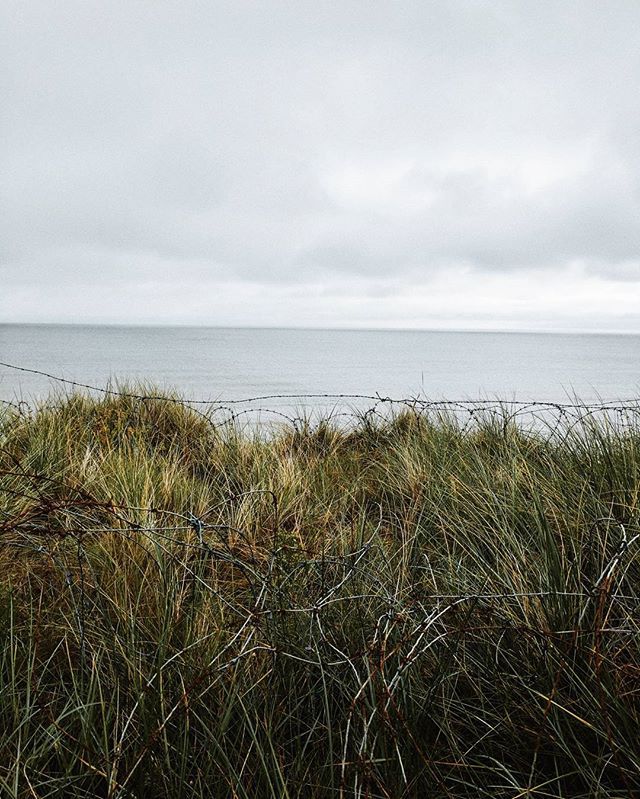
219	364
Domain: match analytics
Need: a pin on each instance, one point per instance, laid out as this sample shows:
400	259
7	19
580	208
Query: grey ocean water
234	363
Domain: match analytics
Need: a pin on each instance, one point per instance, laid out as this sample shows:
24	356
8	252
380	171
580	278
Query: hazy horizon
462	330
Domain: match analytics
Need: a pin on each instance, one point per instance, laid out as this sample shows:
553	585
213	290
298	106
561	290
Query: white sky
449	164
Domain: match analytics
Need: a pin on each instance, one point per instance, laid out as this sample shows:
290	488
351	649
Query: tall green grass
413	607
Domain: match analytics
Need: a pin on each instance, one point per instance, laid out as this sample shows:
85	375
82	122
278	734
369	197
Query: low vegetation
425	605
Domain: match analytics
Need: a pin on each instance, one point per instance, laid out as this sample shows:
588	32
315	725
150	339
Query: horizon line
311	328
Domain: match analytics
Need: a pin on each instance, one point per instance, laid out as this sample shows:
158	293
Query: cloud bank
430	164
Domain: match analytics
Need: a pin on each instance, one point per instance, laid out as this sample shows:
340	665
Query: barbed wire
35	526
548	414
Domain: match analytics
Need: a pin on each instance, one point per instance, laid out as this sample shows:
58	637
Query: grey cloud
278	143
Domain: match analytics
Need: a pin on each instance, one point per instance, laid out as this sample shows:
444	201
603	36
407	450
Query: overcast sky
450	164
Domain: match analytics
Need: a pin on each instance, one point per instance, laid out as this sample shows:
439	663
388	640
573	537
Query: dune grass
409	607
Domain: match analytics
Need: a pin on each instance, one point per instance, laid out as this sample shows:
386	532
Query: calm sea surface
233	363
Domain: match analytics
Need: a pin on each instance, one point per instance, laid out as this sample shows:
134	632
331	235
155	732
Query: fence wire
346	407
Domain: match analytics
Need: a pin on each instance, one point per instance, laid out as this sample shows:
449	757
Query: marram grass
415	607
